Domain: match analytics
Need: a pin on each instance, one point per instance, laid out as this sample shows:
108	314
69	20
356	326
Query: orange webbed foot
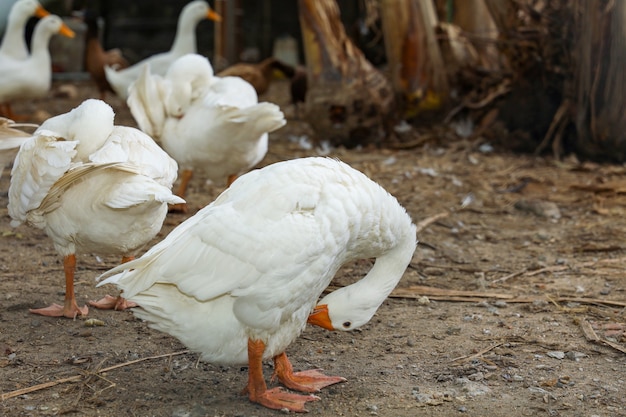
56	310
109	302
308	381
278	399
305	381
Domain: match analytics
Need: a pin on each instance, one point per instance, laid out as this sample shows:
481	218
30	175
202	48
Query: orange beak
41	12
319	317
66	31
213	16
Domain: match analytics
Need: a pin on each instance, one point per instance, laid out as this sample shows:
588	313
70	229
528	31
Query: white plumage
92	187
13	43
184	43
210	124
238	281
24	77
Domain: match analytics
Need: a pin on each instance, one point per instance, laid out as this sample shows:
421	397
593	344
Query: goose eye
347	324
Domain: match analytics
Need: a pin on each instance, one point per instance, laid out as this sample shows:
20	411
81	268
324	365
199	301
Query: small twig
592	336
559	116
509	276
430	220
74	378
467	358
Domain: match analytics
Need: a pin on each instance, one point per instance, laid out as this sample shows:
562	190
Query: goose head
344	310
23	9
189	75
351	307
91	123
195	11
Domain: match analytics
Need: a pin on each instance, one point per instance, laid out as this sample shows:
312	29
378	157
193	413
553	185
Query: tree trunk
417	69
473	16
348	101
601	79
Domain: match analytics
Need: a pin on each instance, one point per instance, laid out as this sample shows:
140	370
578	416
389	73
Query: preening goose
184	43
92	187
237	281
209	124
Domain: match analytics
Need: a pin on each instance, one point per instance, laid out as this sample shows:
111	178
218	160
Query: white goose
238	281
184	43
30	77
206	123
13	41
92	187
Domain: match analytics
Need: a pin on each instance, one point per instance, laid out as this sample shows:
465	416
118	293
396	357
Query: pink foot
56	310
113	303
278	399
307	381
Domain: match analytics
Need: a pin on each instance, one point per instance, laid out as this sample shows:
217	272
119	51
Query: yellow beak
319	317
41	12
213	16
66	31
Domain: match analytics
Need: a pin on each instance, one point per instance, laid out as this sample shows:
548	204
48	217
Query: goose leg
70	309
119	303
6	111
182	190
305	381
274	398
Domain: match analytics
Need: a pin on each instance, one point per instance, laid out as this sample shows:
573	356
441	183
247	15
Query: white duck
92	187
237	281
13	41
206	123
31	77
184	43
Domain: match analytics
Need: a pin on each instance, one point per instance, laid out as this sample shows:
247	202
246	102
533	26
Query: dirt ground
520	267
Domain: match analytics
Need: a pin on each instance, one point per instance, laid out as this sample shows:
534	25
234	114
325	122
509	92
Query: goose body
237	281
210	124
92	187
184	43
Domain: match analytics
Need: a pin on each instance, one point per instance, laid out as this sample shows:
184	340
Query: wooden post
226	39
348	101
415	61
600	117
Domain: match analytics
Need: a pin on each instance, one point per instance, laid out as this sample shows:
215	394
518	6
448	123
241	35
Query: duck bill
66	31
211	14
319	317
41	12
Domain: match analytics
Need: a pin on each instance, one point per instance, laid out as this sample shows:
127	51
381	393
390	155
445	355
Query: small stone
423	300
556	354
478	376
539	208
574	356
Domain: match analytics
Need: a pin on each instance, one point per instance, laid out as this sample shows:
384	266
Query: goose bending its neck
238	280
